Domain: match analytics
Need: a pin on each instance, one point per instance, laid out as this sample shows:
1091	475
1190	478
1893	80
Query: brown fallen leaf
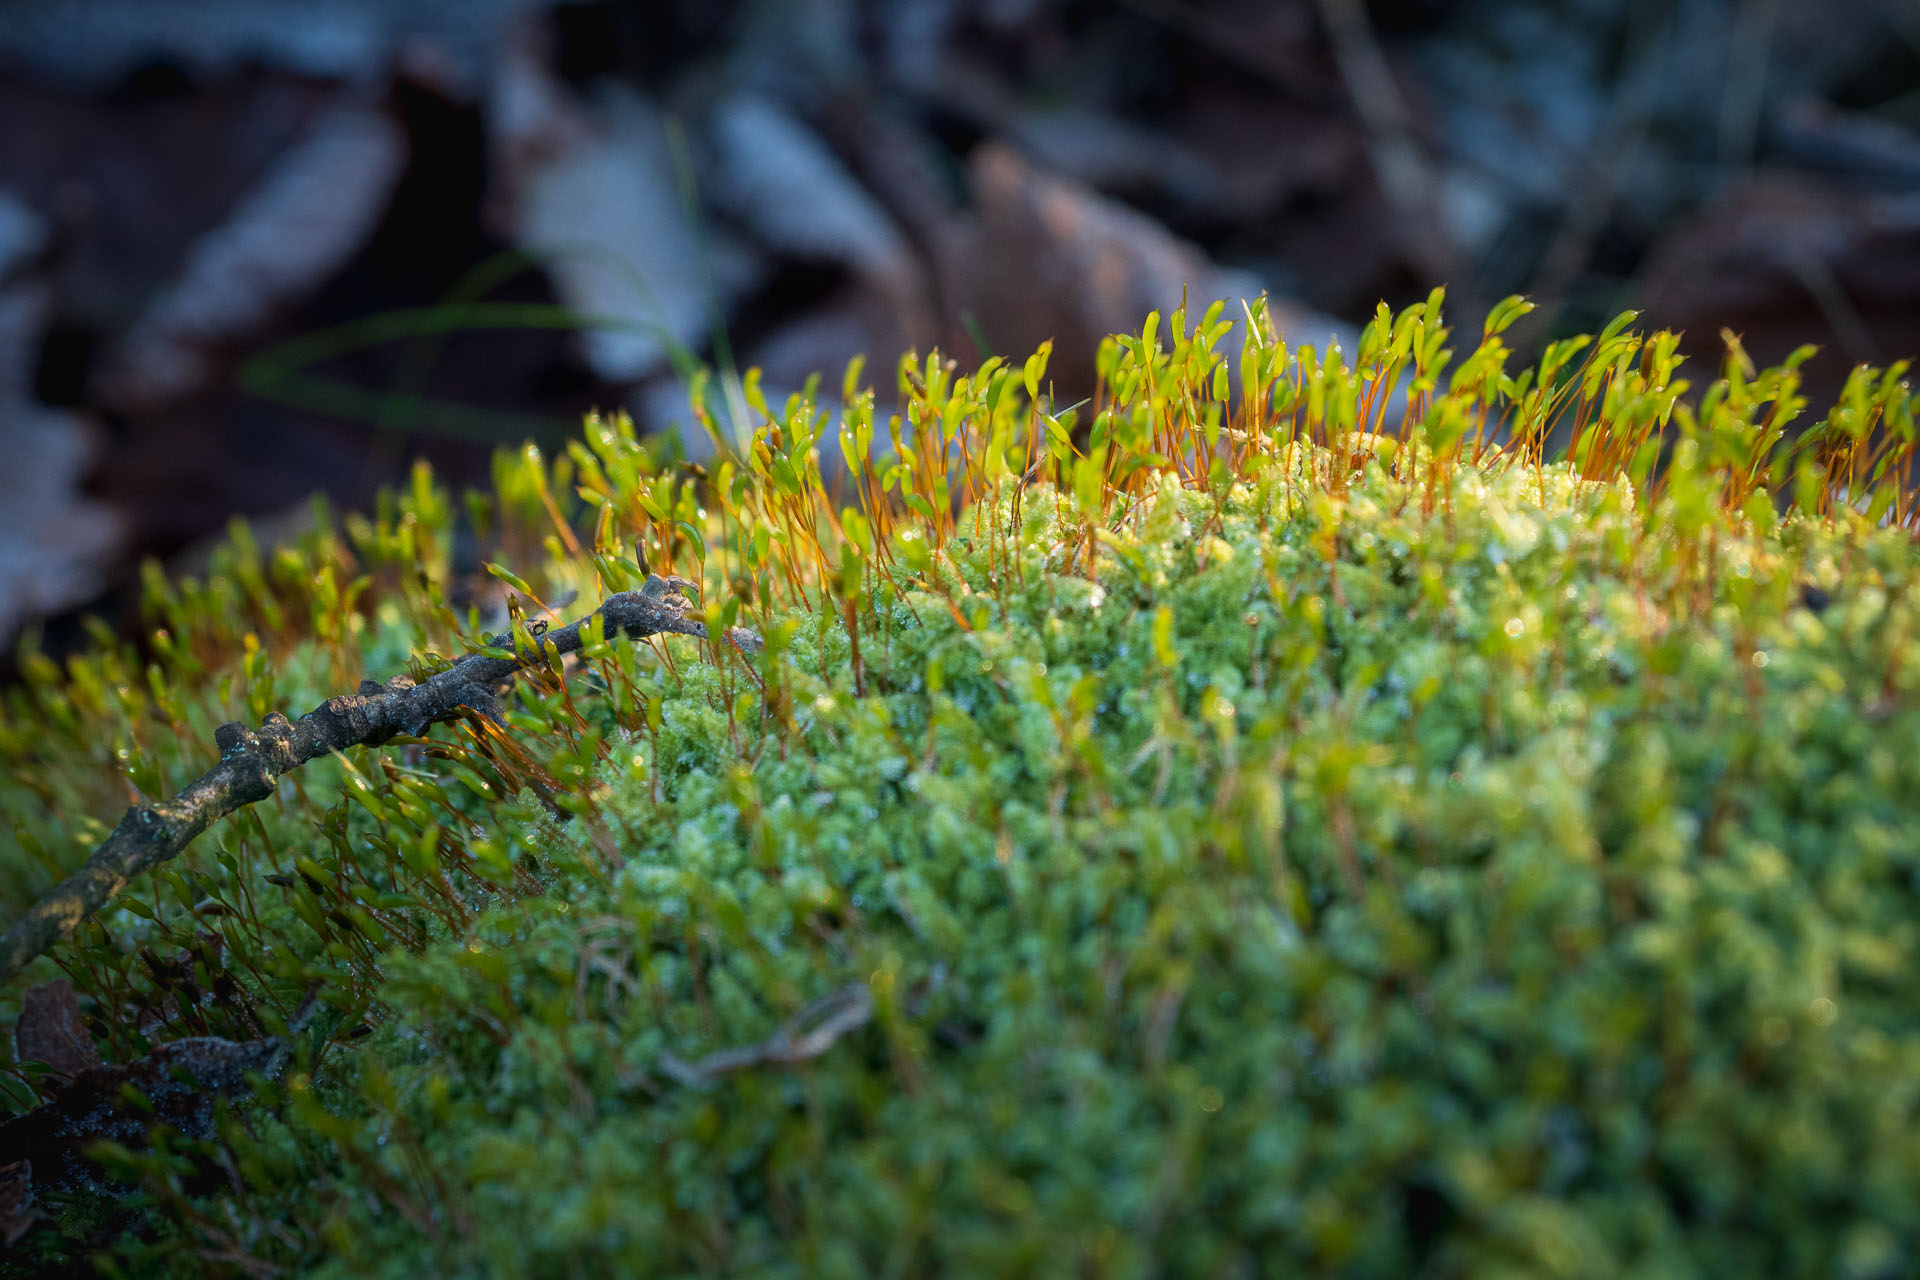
590	189
50	1031
17	1211
311	212
1044	257
1782	260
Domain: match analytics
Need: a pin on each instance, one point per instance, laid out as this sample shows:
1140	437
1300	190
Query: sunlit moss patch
1300	813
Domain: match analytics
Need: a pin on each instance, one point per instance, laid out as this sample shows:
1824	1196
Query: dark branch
252	761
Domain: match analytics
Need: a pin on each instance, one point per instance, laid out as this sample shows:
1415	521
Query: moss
1254	845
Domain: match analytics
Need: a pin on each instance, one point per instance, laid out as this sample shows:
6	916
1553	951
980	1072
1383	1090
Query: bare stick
807	1035
253	761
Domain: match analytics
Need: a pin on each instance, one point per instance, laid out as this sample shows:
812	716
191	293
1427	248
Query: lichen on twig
252	761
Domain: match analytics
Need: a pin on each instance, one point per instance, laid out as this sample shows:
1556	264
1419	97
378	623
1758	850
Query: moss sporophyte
1294	814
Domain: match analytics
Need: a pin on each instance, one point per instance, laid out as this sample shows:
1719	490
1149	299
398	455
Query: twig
1594	189
253	761
1403	173
807	1035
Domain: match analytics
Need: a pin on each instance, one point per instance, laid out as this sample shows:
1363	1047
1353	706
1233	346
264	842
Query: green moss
1263	848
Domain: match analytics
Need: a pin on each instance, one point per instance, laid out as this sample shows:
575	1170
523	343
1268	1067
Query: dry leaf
50	1031
17	1211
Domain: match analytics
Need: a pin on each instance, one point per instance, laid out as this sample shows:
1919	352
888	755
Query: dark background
189	186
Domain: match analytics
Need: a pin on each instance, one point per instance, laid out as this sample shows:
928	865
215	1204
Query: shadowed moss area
1284	822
